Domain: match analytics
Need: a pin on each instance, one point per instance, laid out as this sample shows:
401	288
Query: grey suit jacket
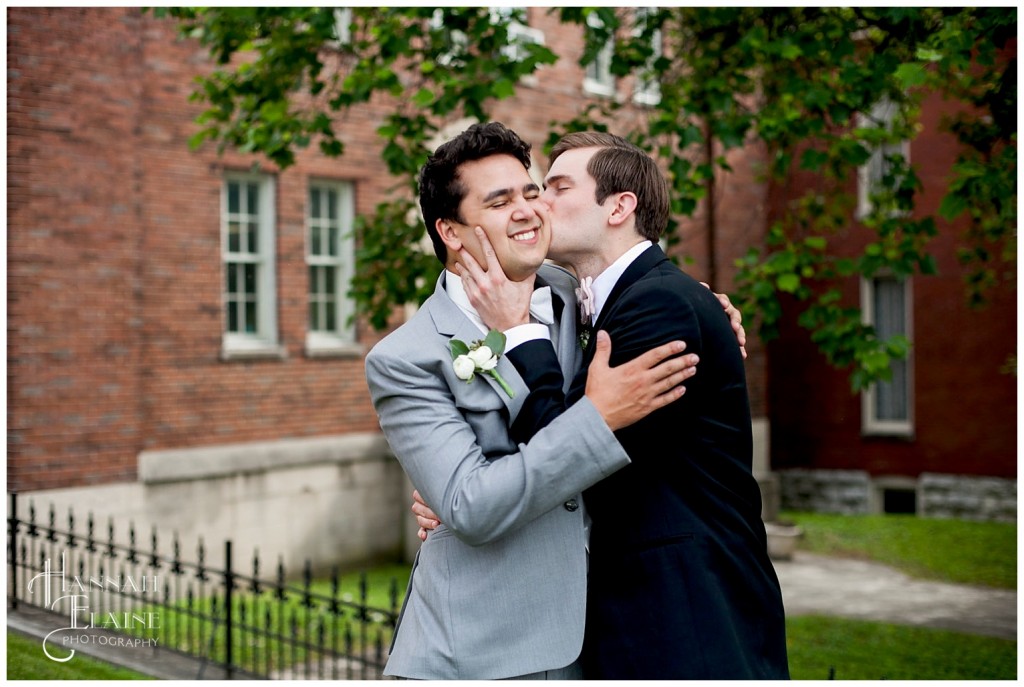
499	590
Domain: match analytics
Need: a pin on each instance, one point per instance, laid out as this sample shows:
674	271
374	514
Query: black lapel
643	264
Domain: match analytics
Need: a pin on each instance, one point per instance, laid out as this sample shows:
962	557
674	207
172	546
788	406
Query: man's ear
623	208
448	235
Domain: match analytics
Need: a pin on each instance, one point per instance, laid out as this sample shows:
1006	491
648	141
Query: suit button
571	505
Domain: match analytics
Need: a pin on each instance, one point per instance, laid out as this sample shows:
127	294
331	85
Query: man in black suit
680	583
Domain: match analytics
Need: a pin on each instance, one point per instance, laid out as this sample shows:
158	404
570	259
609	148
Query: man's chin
525	271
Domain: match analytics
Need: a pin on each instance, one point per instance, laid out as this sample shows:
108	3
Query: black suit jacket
680	583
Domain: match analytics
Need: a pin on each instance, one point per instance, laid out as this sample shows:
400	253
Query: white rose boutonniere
480	356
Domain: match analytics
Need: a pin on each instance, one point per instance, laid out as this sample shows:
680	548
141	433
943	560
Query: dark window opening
899	501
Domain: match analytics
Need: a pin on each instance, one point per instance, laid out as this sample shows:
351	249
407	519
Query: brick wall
114	313
964	406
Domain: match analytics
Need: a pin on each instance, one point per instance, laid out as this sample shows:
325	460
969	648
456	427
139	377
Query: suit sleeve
537	364
482	498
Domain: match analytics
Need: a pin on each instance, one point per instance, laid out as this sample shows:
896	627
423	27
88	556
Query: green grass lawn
979	553
862	650
26	661
955	551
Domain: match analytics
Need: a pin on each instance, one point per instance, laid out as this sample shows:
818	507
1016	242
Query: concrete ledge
177	465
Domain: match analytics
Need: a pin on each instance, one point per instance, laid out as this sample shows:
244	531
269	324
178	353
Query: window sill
882	432
334	350
596	88
254	353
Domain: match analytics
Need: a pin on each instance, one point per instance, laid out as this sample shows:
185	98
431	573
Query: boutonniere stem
480	357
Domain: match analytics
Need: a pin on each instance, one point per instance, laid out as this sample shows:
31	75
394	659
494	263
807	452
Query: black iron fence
245	625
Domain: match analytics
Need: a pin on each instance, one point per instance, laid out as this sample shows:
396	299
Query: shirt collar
605	282
540	302
453	286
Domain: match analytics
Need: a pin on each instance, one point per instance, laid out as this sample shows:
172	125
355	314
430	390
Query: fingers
417	498
427	523
469	267
422	534
485	243
656	355
670	374
603	350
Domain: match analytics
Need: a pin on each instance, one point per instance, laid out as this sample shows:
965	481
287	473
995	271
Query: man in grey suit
498	590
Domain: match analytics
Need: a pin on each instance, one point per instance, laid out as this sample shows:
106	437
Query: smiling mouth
525	235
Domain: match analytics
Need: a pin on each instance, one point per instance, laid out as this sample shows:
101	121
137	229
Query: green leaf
458	348
423	98
952	206
788	283
503	88
495	341
812	159
910	74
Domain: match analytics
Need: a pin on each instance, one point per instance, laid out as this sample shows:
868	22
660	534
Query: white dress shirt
605	282
515	335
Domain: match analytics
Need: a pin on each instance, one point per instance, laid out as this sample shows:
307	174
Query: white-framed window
647	90
598	78
870	174
887	406
248	254
330	260
342	26
520	33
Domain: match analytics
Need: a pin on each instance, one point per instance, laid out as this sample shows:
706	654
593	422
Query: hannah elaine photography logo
73	593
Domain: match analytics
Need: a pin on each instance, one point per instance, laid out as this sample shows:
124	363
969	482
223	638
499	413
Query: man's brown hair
621	166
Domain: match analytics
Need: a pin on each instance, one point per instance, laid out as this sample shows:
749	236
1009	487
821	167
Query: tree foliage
805	84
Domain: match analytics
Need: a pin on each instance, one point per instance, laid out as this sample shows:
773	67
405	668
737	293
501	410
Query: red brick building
957	399
164	299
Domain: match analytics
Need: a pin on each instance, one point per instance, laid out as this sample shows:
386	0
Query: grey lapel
568	350
452	323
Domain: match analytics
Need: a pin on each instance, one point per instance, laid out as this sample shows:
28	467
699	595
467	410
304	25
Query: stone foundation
853	492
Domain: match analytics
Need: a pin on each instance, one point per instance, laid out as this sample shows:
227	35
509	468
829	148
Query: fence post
13	537
229	583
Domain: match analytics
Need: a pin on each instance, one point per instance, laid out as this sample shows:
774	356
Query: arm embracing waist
484	497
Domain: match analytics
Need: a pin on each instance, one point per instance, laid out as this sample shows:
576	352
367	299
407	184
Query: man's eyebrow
498	193
557	178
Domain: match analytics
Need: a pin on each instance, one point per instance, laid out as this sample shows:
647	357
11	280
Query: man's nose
523	210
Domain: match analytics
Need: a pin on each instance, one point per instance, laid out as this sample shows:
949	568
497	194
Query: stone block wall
855	492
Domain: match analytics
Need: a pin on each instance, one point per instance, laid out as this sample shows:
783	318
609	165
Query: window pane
891	397
332	241
312	280
234	237
329	273
314	202
889	304
232	278
332	204
250	279
232	316
250	317
332	326
254	244
252	199
234	204
314	240
889	307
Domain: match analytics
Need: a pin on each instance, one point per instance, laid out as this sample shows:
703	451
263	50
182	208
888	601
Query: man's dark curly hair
441	188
